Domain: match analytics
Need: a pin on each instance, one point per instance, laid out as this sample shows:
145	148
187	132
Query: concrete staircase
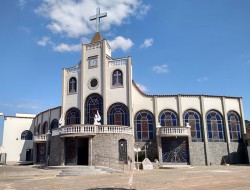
83	170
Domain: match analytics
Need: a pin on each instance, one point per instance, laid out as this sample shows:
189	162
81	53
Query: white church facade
174	129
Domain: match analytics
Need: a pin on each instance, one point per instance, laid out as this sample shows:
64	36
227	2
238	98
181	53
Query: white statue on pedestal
61	122
97	119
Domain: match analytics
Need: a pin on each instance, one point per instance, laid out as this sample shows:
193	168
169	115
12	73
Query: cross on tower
97	18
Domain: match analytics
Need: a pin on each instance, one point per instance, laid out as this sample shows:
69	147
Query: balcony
40	138
174	131
90	130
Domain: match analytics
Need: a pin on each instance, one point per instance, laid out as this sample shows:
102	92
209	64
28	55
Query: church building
104	117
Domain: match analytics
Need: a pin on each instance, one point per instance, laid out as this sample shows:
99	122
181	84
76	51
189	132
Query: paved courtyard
211	177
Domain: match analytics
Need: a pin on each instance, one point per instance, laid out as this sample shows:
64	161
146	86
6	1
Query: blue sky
177	47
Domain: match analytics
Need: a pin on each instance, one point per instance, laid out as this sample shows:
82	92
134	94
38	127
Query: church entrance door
83	151
175	150
41	153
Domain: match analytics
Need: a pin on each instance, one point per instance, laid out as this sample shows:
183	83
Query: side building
18	138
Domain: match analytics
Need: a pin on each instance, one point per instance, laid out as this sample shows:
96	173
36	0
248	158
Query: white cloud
142	87
65	47
22	3
27	106
44	41
161	69
72	17
121	43
147	43
203	79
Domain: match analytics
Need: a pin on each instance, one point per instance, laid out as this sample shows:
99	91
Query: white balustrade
41	137
178	131
94	129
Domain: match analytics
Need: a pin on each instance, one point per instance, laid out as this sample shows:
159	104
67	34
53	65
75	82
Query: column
204	129
226	127
179	110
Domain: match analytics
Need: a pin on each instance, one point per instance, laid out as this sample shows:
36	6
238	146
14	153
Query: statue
97	119
61	122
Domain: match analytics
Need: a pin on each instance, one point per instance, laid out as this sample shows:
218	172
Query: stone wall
216	152
197	153
56	151
106	145
238	153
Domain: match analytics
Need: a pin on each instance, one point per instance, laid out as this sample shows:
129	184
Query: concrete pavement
207	177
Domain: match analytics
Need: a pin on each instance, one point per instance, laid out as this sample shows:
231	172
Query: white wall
12	143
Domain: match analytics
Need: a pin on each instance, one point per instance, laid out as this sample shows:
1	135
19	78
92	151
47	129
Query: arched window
168	118
215	128
144	125
26	135
45	127
234	126
117	78
118	114
38	129
54	124
72	85
193	118
72	116
93	104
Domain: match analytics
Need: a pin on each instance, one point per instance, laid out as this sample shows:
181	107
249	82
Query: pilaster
204	129
226	128
82	84
104	90
179	110
243	129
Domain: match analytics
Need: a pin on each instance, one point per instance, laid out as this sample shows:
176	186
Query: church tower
98	83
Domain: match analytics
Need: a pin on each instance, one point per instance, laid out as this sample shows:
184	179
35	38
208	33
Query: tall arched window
215	127
117	78
54	124
193	118
234	126
26	135
72	116
168	118
72	85
118	114
45	127
144	125
38	129
93	104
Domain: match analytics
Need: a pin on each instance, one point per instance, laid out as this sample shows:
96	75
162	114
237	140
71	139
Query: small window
54	124
72	85
26	135
117	78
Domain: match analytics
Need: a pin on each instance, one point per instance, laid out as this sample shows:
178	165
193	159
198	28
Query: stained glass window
144	125
45	127
72	85
94	103
215	127
193	118
26	135
117	78
118	114
234	126
168	118
72	116
54	124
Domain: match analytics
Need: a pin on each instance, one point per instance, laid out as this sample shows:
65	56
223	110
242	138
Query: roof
97	37
174	95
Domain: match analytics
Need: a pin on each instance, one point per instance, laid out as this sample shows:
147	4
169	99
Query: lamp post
138	149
